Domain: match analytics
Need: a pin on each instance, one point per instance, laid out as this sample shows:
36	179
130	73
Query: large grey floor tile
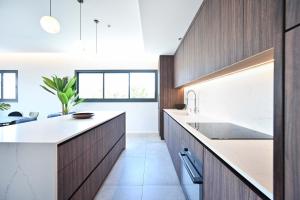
157	149
135	149
127	171
119	193
160	171
162	193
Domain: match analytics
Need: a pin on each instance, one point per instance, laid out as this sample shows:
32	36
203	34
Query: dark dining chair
57	114
15	114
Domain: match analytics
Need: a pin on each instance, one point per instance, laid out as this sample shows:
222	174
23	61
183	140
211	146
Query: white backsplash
244	98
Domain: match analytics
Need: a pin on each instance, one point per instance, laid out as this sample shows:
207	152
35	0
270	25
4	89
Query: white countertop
53	130
253	159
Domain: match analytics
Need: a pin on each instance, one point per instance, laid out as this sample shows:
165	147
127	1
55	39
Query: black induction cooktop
228	131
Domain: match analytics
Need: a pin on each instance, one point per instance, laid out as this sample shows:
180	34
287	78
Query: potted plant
65	89
4	106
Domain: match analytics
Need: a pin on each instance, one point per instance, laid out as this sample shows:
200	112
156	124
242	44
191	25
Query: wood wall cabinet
258	26
223	32
292	13
82	161
292	114
168	95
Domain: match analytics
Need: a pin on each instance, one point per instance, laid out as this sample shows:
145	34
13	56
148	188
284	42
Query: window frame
16	85
155	99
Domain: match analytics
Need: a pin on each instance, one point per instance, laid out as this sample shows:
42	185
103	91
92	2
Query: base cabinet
219	182
86	160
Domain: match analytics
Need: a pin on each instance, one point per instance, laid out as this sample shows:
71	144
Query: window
8	85
118	85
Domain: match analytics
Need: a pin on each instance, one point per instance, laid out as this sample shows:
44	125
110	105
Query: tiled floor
144	171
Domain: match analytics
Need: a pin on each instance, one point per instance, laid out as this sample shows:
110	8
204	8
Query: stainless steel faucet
195	100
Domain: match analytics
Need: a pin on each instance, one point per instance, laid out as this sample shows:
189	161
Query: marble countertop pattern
53	130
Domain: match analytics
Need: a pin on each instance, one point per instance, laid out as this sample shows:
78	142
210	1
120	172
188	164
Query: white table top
53	130
253	159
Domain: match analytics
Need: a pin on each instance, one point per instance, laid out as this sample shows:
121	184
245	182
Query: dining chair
15	114
34	115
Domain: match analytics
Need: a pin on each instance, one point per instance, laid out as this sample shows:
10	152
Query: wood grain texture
292	115
292	13
259	18
220	182
75	163
278	152
223	32
169	96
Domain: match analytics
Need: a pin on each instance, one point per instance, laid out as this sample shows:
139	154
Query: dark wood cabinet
259	16
82	161
292	13
223	33
292	114
221	183
168	95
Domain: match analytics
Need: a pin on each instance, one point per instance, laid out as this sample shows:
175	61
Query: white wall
244	98
141	117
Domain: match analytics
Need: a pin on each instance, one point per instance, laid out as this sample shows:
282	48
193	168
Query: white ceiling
137	26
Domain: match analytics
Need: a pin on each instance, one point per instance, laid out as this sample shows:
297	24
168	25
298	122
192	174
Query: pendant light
50	24
96	22
80	45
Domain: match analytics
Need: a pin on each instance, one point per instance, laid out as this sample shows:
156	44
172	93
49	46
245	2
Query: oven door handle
194	174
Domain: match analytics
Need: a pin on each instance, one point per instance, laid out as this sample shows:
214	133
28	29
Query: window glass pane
9	85
90	85
142	85
116	85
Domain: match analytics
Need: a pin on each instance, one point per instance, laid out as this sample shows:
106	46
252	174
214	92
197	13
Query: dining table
4	121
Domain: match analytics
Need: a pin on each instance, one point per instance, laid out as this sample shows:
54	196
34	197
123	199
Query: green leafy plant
4	106
64	88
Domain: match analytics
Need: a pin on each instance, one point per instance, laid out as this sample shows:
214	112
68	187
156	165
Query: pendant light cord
50	8
80	22
96	37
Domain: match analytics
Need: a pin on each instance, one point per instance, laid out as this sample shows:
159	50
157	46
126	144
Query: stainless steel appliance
191	175
228	131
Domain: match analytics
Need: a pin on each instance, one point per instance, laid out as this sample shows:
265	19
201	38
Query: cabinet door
292	114
231	32
221	183
258	26
292	13
179	66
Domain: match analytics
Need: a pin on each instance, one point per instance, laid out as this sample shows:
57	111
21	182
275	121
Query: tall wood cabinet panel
168	95
292	13
258	26
292	114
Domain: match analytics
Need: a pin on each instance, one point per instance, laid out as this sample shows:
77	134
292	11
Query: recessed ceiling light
179	38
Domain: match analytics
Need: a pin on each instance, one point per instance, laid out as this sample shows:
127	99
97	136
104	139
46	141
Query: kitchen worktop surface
53	130
252	159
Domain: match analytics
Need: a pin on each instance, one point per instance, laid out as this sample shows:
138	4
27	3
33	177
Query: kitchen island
59	158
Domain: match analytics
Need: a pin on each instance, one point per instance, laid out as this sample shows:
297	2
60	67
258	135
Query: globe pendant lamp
50	24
